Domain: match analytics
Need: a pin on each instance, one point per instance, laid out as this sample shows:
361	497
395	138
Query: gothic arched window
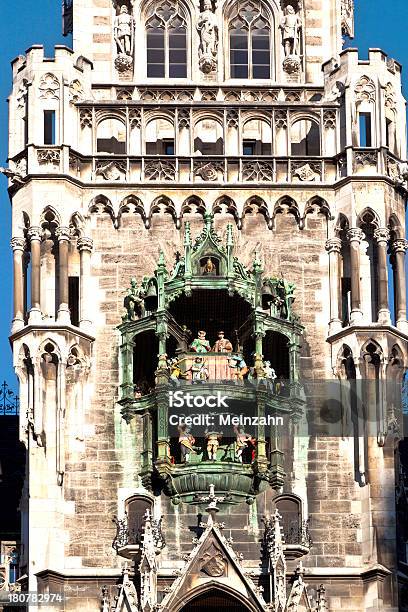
166	41
250	41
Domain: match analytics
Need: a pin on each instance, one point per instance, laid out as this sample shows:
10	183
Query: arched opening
305	138
250	41
214	600
111	137
166	40
135	509
257	138
276	352
208	138
368	223
212	311
160	137
344	271
145	360
290	509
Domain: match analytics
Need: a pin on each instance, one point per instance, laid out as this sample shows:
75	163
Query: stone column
34	235
18	244
85	246
399	248
63	244
333	247
355	236
382	235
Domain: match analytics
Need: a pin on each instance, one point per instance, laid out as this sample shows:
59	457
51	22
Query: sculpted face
124	8
290	10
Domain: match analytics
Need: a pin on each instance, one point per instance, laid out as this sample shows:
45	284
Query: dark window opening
168	147
111	145
365	129
345	300
49	127
248	147
73	299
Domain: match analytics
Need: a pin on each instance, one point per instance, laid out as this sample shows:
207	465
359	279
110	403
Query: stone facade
115	158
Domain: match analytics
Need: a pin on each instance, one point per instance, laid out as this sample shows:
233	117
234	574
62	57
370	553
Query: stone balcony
216	170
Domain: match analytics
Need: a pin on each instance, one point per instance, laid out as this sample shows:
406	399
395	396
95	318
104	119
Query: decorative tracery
250	41
166	38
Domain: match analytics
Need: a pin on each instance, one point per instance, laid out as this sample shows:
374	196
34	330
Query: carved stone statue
199	370
186	441
213	442
133	302
242	439
200	344
207	27
290	26
222	345
209	268
123	32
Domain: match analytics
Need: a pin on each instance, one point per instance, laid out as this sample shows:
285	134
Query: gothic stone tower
238	170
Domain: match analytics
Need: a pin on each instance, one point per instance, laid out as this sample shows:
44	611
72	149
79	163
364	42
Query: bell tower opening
212	601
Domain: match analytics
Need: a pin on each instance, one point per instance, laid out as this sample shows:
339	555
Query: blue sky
27	22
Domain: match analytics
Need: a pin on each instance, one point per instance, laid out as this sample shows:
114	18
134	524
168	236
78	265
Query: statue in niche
270	375
207	27
200	344
222	345
241	443
123	32
238	364
210	268
133	302
290	26
186	441
213	442
199	370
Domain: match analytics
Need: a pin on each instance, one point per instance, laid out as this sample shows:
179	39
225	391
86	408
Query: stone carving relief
48	156
160	171
49	87
257	171
210	171
183	118
365	90
362	158
207	27
85	117
135	118
232	118
281	120
76	92
307	172
329	119
111	171
389	96
21	96
213	563
347	18
123	33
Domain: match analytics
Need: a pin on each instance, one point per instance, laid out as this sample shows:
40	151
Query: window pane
155	71
261	72
260	57
238	40
239	72
178	71
260	42
239	57
155	56
177	56
155	53
177	40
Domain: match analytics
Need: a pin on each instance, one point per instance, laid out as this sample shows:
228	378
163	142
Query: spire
321	603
